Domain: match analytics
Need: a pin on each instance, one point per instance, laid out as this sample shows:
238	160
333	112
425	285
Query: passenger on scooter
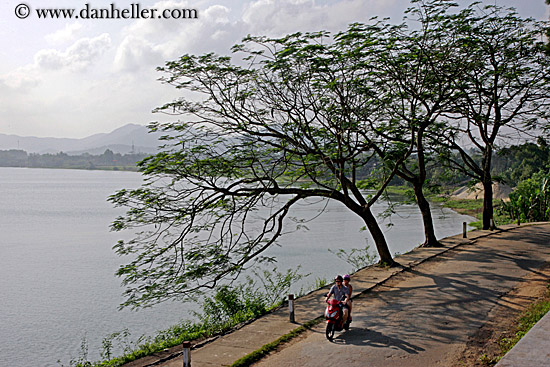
340	293
350	288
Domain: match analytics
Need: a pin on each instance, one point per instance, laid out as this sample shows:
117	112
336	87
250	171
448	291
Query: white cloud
277	18
64	35
136	52
76	57
23	79
78	86
149	43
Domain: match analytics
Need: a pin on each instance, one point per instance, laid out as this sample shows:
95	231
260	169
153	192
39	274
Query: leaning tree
290	120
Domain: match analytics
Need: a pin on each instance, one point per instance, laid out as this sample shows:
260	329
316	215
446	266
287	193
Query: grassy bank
175	335
228	308
473	208
529	318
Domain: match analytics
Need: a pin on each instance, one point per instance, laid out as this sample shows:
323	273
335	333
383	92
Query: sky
72	78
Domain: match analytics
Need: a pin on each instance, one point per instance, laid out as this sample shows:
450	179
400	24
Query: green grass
218	317
474	208
269	347
529	318
400	190
227	308
175	335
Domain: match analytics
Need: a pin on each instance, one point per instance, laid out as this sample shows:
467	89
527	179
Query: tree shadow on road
375	339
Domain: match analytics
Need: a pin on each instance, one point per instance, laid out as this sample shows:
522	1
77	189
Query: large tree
290	120
503	92
416	73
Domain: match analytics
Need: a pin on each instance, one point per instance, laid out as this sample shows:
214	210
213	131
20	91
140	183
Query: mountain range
130	138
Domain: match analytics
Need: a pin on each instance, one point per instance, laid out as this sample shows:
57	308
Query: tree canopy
277	129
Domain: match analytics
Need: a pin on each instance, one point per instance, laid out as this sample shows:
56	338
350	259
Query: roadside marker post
186	354
291	307
464	224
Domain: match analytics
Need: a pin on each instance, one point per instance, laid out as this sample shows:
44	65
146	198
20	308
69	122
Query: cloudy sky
77	77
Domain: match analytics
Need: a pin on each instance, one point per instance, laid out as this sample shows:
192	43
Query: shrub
530	200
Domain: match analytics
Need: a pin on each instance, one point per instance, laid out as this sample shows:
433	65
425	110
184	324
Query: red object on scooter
333	315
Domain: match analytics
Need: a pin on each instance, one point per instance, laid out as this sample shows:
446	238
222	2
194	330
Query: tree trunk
424	205
378	237
488	222
418	185
487	182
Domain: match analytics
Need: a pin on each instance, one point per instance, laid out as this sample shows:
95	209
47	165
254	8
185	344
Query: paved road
424	316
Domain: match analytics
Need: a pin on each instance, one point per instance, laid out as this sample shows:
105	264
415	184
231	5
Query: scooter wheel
330	331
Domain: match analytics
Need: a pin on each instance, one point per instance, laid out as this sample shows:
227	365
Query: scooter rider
347	284
340	293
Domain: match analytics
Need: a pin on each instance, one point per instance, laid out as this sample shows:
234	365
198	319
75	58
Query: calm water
56	264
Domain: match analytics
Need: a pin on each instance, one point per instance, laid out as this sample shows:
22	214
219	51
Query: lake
57	265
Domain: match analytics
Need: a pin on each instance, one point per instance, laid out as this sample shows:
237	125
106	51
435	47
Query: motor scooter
335	321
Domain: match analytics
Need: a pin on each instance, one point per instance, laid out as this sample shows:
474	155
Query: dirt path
436	314
485	345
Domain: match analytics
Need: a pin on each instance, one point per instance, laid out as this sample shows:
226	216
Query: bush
226	308
530	200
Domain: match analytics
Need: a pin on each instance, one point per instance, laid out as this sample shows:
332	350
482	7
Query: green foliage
473	208
231	306
276	285
106	161
511	164
519	162
530	200
529	318
488	361
465	206
320	283
226	308
358	258
82	360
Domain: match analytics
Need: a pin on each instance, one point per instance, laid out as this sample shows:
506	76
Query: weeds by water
357	258
228	307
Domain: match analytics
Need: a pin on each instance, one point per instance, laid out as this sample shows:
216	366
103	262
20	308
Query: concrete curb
536	339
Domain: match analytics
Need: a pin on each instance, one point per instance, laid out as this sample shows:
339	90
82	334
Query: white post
186	354
291	307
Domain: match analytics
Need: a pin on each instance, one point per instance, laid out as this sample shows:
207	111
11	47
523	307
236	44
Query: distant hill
126	139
